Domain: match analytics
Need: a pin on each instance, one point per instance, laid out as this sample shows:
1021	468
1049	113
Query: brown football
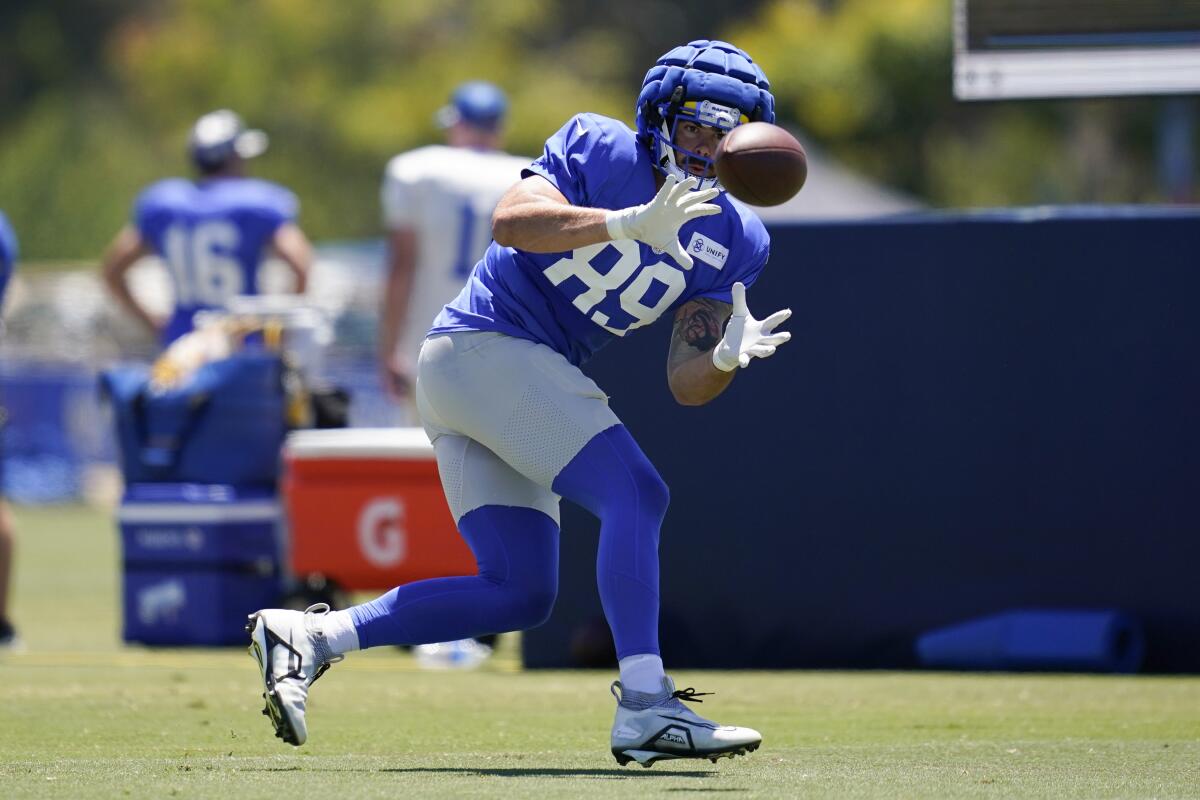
761	164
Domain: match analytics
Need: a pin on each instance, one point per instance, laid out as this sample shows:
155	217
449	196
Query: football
761	164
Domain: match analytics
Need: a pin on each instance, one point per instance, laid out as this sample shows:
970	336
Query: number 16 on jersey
202	262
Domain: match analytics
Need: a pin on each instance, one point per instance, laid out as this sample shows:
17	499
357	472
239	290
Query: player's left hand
746	337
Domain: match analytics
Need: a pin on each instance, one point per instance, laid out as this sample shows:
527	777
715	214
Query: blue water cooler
197	558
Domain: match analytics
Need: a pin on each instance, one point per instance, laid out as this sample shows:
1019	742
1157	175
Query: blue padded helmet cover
706	70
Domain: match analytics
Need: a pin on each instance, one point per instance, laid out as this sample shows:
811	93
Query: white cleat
652	727
292	653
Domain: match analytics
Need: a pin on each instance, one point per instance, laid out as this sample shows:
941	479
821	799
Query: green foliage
871	82
339	87
99	96
69	169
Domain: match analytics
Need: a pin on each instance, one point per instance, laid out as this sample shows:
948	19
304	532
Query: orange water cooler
366	511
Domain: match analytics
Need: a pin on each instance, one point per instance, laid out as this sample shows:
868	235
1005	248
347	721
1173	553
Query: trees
98	96
340	88
871	82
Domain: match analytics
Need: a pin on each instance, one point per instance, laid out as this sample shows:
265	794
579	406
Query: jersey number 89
631	299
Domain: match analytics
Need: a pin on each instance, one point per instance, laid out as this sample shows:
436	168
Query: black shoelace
689	694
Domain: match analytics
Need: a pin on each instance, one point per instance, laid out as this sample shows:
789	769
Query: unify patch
708	250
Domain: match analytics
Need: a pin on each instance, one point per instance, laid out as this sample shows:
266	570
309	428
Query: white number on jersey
579	265
473	237
201	263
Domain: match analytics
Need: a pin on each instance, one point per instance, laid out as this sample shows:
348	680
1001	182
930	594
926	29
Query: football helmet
477	103
711	83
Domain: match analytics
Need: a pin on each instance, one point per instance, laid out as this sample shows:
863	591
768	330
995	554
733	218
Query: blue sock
613	479
517	552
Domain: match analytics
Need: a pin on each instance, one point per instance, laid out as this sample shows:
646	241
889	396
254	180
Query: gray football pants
505	415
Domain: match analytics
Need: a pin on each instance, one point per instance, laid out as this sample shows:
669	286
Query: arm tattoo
698	325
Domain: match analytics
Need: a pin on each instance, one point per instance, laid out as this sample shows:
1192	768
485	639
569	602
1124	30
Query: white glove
746	337
657	223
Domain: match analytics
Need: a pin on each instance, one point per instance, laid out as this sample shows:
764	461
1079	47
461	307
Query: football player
609	229
437	208
8	633
212	233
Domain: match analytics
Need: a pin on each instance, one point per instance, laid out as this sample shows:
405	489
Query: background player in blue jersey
608	230
8	633
213	233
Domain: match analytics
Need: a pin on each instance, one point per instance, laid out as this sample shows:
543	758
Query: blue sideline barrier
54	429
1041	640
977	412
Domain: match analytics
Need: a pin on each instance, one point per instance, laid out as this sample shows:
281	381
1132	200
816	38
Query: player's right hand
657	223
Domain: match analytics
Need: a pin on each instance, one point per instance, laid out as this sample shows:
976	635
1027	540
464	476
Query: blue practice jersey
8	254
212	234
578	301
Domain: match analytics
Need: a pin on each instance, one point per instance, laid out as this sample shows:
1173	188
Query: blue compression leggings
612	478
517	552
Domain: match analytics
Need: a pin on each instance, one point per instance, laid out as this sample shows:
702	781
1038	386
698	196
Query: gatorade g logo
381	535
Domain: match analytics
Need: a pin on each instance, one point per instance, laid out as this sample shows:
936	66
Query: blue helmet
707	82
477	103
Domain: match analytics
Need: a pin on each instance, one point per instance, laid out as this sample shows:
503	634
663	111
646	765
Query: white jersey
447	196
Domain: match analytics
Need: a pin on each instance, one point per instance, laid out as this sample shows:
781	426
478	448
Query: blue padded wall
977	412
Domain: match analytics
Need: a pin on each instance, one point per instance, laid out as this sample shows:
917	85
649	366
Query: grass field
83	716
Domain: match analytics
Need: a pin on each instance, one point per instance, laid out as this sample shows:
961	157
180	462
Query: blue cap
477	103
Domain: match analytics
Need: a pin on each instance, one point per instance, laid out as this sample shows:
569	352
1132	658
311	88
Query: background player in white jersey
437	207
212	233
608	230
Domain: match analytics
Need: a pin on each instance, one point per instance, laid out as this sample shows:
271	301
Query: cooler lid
383	443
197	503
189	513
197	493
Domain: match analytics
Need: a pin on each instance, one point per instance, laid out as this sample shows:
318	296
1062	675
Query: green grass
82	716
